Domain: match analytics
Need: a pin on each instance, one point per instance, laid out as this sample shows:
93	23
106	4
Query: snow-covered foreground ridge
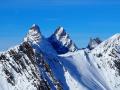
56	63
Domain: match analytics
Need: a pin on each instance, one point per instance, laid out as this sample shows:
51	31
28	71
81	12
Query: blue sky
82	19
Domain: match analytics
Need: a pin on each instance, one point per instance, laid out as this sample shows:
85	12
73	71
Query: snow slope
80	66
107	56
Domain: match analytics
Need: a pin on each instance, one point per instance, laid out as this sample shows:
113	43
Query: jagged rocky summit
62	42
94	42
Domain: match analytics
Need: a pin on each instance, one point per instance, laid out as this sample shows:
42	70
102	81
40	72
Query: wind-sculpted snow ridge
55	63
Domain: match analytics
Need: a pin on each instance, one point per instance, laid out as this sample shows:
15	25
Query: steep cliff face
61	41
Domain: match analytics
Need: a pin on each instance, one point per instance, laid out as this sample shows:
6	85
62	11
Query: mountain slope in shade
55	63
61	41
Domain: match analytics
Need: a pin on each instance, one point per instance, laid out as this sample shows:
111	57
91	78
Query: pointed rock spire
35	28
34	34
61	41
93	43
60	31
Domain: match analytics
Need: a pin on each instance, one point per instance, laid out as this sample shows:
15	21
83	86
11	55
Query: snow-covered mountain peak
38	41
116	36
60	31
93	43
34	35
109	44
35	28
61	41
107	55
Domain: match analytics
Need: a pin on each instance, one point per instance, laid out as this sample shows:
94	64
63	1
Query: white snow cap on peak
59	30
35	27
34	34
62	42
94	42
117	35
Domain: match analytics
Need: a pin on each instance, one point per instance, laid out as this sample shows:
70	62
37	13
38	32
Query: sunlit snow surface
81	74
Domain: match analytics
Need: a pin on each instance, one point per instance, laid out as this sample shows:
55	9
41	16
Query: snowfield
81	67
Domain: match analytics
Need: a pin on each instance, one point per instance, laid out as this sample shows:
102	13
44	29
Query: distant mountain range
56	63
